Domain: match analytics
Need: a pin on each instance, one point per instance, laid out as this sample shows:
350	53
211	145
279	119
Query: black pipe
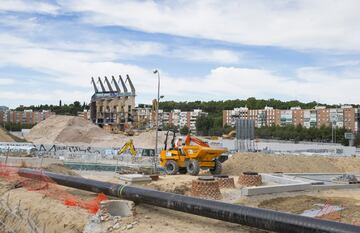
249	216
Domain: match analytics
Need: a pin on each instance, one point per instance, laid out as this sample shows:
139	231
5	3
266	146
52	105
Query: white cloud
220	56
6	81
73	69
232	82
69	65
321	24
28	6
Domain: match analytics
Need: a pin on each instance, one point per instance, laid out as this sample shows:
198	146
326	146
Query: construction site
71	175
179	116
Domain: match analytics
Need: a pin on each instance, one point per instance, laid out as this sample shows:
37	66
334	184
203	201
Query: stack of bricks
206	188
250	179
225	181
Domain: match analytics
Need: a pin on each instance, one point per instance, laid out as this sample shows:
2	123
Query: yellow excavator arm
128	146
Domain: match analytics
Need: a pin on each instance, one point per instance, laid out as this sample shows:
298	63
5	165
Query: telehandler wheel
171	167
217	169
182	170
193	167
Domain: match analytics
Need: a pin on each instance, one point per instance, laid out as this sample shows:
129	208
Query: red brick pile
225	181
250	179
208	189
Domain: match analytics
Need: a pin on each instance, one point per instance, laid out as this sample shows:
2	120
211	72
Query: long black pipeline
249	216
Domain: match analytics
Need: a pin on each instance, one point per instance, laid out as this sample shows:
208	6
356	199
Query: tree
204	124
299	133
357	140
184	130
170	127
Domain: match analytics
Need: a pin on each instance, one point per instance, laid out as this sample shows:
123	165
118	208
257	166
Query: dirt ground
259	162
73	219
59	168
4	136
298	202
153	219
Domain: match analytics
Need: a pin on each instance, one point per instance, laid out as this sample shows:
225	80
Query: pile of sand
4	136
72	130
64	129
259	162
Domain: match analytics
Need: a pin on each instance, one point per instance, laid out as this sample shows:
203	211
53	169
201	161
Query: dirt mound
258	162
59	168
72	130
4	136
64	129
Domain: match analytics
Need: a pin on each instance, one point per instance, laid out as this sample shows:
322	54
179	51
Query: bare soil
298	204
4	136
259	162
59	168
60	218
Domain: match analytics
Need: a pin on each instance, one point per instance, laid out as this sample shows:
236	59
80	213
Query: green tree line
16	126
61	109
216	107
299	133
207	126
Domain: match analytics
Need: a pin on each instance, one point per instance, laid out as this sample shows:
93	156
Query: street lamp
157	117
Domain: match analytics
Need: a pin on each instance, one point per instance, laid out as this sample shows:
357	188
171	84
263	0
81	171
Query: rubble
346	178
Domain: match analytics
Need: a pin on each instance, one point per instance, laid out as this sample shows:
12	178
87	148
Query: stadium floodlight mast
157	117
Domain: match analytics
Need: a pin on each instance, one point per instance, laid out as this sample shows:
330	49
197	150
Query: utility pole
157	118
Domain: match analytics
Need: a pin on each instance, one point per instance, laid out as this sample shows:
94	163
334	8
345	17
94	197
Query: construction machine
129	145
189	158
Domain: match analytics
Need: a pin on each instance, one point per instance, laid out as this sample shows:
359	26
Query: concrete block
135	178
335	186
280	179
251	191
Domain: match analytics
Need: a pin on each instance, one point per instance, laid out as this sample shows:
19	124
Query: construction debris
346	178
118	208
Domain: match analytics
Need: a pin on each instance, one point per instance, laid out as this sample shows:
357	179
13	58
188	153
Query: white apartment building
310	119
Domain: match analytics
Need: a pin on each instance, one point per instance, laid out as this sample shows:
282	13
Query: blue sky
205	50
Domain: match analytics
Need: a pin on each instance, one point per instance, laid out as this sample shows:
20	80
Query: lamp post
157	118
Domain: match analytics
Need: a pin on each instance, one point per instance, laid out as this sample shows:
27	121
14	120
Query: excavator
129	145
193	155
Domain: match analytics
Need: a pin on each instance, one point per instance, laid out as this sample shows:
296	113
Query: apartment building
297	116
286	117
4	109
357	120
25	117
310	118
322	116
175	118
345	116
262	117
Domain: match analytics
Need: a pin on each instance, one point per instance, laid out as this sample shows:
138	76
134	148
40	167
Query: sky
204	49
